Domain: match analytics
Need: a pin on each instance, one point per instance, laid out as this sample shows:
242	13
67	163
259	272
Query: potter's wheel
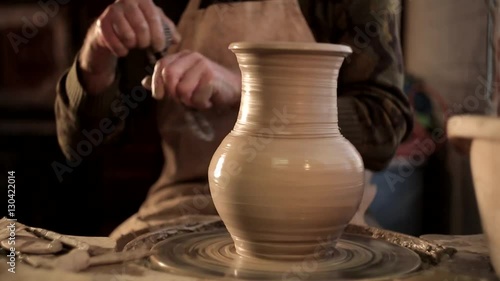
211	254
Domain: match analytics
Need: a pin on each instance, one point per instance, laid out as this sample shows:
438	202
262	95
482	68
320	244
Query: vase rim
299	47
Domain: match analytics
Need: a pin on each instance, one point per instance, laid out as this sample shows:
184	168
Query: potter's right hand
123	26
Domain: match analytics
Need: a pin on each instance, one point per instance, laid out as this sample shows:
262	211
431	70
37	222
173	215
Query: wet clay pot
482	135
285	181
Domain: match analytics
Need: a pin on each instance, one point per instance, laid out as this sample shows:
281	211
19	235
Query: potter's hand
130	24
123	26
194	80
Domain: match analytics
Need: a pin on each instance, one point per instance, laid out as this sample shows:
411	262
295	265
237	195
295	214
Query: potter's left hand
195	80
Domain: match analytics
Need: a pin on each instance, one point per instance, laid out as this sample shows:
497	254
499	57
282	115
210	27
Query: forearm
96	65
375	123
80	114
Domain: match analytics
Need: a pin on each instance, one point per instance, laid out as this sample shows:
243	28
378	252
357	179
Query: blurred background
449	50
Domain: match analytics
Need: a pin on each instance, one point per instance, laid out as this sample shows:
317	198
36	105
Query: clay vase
482	135
285	181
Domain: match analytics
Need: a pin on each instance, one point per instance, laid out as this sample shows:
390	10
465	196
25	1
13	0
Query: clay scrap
43	248
428	251
68	241
33	245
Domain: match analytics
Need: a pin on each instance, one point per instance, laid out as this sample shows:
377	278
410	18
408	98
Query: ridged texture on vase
285	181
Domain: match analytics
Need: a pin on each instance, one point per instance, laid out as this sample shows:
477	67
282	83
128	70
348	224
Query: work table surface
470	262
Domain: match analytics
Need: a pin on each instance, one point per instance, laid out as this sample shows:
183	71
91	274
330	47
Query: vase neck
288	94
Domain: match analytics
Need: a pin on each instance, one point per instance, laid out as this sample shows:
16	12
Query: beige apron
181	193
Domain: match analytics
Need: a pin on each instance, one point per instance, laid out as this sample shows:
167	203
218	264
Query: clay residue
428	251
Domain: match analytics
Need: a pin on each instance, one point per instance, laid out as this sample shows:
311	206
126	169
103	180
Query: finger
189	82
176	36
153	18
171	76
109	38
122	28
146	82
181	67
171	58
138	21
202	96
157	86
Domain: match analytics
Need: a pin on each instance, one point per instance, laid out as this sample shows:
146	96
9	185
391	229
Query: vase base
213	255
319	249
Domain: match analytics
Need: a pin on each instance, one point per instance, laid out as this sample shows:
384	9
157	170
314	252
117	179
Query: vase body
284	180
482	135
